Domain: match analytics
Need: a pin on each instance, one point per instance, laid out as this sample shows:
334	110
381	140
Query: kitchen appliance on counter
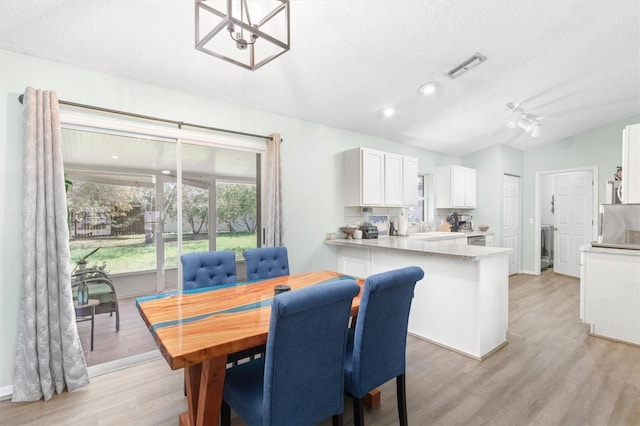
460	223
619	226
369	231
477	240
613	193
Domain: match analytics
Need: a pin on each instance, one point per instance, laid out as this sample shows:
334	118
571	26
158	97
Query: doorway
567	203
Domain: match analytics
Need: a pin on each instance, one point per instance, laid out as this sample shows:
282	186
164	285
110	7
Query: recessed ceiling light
166	172
429	88
388	112
114	156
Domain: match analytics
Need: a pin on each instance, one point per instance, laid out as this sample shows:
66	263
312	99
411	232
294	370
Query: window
423	212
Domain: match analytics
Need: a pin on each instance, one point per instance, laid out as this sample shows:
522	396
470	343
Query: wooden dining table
198	329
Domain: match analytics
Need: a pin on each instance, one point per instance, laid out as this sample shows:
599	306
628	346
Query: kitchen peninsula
462	303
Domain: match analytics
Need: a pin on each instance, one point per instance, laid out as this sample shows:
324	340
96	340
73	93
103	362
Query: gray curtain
274	232
49	355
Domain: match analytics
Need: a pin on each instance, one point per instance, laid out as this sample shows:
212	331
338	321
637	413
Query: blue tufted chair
376	348
300	381
266	262
209	268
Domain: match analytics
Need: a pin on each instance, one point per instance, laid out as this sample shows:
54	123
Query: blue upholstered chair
209	268
266	262
300	380
376	347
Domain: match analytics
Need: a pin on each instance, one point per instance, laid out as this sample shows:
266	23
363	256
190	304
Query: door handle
555	228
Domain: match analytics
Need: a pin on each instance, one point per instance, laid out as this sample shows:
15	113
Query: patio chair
100	288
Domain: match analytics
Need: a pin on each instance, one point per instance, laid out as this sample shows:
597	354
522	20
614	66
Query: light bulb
536	130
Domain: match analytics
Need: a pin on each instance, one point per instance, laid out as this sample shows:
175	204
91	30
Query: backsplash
353	216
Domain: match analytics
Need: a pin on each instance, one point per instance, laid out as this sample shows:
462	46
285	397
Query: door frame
537	206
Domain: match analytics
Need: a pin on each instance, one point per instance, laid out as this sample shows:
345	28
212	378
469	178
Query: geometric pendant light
247	33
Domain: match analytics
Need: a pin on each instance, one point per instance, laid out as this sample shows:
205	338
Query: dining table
198	329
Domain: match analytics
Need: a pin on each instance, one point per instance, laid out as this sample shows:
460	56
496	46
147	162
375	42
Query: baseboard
119	364
6	392
529	273
100	369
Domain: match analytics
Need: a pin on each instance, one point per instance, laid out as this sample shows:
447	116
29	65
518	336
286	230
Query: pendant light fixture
247	33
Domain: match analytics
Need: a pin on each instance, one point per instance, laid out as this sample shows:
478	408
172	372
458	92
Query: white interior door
573	220
511	220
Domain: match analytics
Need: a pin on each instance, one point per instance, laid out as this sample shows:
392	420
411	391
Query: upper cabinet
455	187
631	164
376	178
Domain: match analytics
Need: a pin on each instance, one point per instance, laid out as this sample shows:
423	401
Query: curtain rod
164	120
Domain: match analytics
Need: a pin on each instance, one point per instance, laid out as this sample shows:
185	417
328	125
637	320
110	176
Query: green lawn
129	253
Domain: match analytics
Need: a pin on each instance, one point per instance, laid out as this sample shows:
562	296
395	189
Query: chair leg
336	420
358	412
401	392
225	414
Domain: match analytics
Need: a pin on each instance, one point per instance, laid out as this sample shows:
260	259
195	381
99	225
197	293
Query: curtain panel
274	232
49	354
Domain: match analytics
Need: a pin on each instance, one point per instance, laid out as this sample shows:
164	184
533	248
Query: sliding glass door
137	202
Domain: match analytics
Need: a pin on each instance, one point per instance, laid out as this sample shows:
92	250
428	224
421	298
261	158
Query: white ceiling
575	62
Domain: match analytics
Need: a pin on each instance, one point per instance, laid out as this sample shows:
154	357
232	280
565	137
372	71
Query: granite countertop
439	236
422	246
609	250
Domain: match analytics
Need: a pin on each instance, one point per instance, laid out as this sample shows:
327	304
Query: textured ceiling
574	62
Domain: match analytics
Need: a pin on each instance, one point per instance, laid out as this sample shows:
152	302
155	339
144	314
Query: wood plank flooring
132	339
551	373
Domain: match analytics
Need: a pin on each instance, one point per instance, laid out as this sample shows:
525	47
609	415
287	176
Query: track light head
523	119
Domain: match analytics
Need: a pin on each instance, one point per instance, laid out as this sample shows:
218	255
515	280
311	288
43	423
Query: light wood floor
550	373
132	339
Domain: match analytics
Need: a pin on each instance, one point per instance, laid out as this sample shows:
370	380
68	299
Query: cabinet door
372	178
631	164
469	187
393	180
409	181
458	182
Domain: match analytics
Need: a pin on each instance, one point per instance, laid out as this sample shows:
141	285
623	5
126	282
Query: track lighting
525	120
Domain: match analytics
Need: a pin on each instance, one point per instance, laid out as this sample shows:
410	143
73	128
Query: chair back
209	268
380	336
266	262
304	375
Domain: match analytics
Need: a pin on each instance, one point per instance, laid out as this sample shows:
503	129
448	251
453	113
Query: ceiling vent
472	62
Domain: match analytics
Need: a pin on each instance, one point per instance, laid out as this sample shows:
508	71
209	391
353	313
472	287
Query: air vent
472	62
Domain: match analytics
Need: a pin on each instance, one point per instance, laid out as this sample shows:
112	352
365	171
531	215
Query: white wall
491	164
311	155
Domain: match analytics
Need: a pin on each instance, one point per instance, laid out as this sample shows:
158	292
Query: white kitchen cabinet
631	164
455	187
610	293
393	180
376	178
354	261
364	177
409	181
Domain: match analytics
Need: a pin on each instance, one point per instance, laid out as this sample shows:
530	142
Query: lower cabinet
354	261
610	293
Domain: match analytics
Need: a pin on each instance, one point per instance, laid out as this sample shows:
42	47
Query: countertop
427	246
608	250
